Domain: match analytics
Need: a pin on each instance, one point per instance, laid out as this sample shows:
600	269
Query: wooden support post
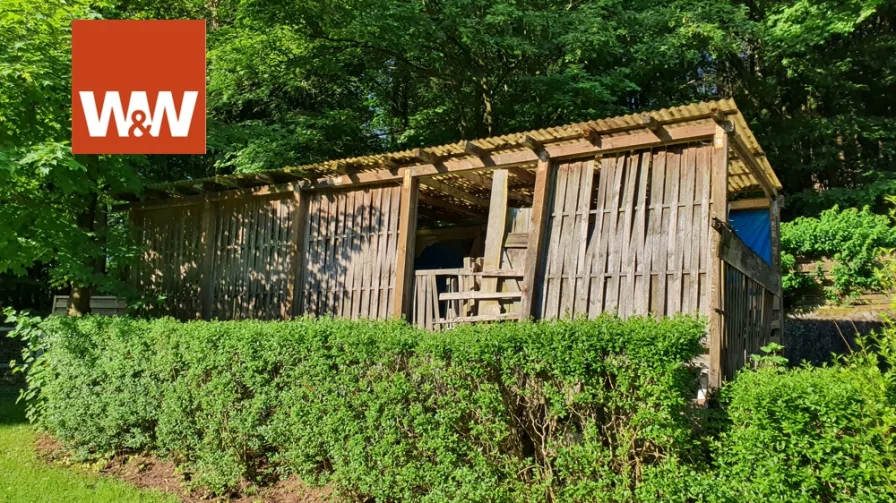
407	232
719	191
775	214
206	278
532	272
292	307
494	237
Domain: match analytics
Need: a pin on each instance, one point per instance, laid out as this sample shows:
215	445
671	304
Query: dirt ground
147	472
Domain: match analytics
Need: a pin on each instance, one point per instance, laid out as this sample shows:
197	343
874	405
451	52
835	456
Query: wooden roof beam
451	190
431	200
473	149
743	152
524	175
424	156
535	146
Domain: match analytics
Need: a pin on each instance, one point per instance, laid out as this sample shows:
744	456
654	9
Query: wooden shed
627	215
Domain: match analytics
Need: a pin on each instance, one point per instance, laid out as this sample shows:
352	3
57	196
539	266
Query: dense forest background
293	82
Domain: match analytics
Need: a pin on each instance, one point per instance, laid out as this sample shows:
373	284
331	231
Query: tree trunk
79	301
79	298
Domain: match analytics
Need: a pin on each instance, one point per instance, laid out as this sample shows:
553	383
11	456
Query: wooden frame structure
626	215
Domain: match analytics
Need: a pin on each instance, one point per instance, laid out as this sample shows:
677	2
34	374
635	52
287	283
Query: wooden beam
524	175
743	152
533	263
532	144
354	179
473	149
737	254
572	150
424	156
650	123
479	295
297	256
207	273
407	232
719	213
775	215
759	203
448	205
266	190
494	237
591	134
451	190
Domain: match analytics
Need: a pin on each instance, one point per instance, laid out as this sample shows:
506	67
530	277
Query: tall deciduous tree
52	203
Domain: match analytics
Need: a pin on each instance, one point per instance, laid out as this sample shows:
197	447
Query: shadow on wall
815	337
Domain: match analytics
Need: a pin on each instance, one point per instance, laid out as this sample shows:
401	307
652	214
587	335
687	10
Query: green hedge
566	411
505	412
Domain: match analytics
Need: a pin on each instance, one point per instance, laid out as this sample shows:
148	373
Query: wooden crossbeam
448	205
524	175
535	146
424	156
650	123
473	149
759	203
480	295
451	190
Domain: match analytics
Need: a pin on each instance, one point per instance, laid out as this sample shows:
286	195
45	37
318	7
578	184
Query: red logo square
138	87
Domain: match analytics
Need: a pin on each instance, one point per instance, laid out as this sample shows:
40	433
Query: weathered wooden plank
703	228
480	295
756	203
554	266
686	228
740	256
207	260
494	236
641	283
596	242
582	267
406	235
570	239
719	211
673	246
481	318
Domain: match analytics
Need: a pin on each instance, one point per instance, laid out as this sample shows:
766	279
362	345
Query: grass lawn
26	479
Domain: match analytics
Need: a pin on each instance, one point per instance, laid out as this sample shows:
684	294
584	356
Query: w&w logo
138	87
138	120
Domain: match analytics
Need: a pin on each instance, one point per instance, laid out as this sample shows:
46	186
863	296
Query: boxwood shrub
579	410
563	411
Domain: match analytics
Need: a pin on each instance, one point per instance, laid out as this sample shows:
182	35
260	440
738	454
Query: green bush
810	434
564	411
569	410
855	239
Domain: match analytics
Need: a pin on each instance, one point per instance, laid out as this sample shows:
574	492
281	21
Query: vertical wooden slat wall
629	233
350	252
171	265
749	311
253	250
246	255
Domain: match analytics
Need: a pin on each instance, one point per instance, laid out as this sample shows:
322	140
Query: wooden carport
627	214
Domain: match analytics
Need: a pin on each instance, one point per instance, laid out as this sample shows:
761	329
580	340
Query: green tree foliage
51	201
297	81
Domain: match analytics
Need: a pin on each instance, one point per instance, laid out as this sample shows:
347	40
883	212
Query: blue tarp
754	228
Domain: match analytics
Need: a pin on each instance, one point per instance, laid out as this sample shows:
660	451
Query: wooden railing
444	298
750	288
